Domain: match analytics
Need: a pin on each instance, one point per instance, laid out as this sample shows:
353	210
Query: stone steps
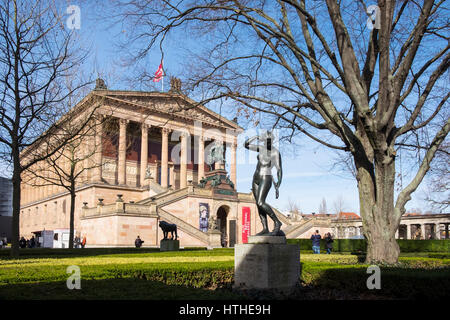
299	229
182	225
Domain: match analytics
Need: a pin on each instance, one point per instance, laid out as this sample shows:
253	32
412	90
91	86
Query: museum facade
148	161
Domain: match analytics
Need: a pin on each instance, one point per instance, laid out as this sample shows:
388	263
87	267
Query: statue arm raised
248	145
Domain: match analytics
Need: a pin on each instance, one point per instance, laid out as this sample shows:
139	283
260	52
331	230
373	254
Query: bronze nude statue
268	157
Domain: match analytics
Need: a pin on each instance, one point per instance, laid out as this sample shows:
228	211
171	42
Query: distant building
6	191
348	225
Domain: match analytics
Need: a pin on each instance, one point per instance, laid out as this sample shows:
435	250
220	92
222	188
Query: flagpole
162	84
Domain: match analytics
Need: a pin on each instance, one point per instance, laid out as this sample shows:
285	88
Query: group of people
29	243
77	242
316	237
3	242
33	243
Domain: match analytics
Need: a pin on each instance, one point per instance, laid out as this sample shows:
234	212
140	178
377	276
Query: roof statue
100	84
215	155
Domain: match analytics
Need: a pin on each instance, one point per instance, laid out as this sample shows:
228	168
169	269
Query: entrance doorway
222	214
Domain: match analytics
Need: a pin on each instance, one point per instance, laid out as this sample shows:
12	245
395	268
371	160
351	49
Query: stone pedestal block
214	239
169	245
266	266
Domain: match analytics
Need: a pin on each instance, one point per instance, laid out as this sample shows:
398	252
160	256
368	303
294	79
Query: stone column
233	162
201	157
164	156
183	161
98	158
422	231
41	189
408	231
437	231
35	187
144	151
86	162
172	177
122	151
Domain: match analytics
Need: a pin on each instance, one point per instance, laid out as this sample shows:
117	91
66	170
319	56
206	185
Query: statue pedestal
214	239
169	245
266	263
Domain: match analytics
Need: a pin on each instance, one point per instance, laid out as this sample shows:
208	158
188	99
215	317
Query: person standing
32	242
22	243
329	240
138	242
83	243
76	242
316	242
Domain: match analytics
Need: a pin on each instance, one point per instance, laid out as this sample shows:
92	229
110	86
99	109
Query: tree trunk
15	232
380	221
72	215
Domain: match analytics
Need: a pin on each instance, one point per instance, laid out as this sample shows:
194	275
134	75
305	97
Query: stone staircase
181	225
284	220
156	187
167	196
298	229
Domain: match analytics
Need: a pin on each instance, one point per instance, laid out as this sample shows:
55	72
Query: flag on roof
159	73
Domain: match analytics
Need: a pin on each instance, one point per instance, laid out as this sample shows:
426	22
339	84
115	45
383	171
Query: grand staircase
299	229
182	225
293	230
167	196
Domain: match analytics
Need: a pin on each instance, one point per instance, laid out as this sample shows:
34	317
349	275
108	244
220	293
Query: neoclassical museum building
151	166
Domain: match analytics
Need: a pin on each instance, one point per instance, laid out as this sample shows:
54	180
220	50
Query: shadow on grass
317	284
396	283
112	289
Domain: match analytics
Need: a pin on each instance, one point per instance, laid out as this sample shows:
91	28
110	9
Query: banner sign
245	224
204	216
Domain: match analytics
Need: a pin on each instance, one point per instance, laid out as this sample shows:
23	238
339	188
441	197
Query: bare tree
73	163
438	194
323	206
37	53
293	206
339	205
324	69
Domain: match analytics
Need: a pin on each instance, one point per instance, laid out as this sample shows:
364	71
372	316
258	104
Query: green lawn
130	273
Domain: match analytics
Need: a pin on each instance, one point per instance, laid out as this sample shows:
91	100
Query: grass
129	273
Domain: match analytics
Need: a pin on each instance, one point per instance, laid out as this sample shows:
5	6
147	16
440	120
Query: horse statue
215	155
166	228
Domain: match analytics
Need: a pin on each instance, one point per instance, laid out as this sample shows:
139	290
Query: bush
424	245
360	245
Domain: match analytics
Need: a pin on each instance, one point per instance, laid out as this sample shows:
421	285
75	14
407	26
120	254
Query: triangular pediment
175	105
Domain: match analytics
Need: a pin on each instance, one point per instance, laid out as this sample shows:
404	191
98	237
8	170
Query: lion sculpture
167	227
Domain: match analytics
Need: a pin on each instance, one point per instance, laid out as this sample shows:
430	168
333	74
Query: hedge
360	245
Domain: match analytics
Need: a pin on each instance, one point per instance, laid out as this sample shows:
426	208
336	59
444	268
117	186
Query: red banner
245	224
